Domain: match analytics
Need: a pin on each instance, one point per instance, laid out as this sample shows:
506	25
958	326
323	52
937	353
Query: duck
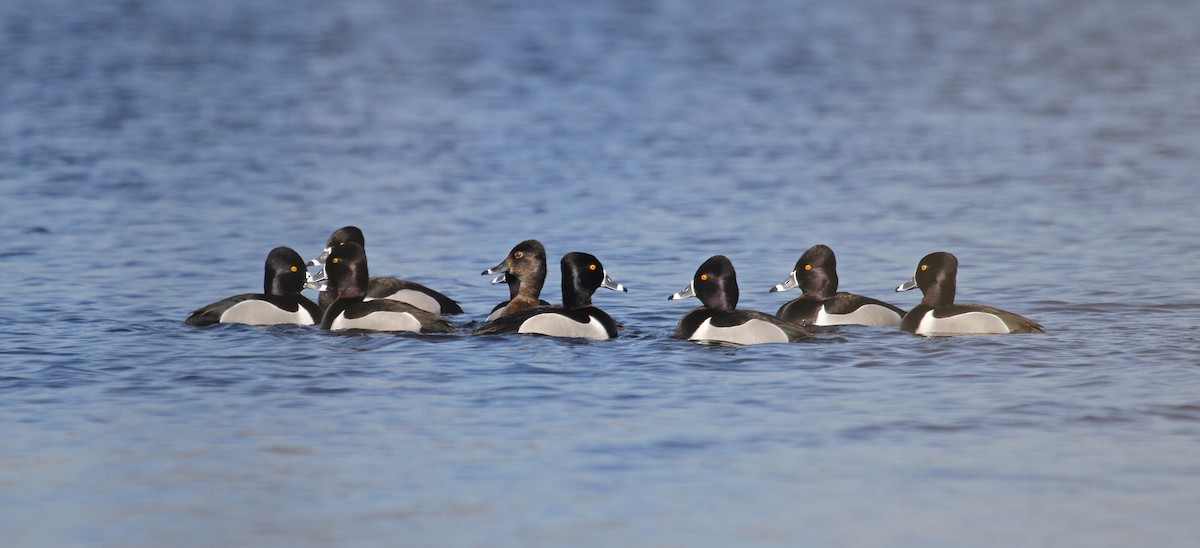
348	280
582	275
279	303
937	315
524	270
719	320
380	287
822	304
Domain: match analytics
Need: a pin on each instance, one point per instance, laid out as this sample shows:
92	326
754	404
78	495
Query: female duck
582	275
348	279
822	303
524	270
937	315
381	287
279	303
715	284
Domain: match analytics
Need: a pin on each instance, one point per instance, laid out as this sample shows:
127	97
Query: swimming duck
715	284
279	303
348	279
382	287
524	270
582	275
822	304
937	315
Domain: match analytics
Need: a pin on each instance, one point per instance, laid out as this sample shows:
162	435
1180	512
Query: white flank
868	314
255	312
751	332
417	299
970	323
557	325
378	321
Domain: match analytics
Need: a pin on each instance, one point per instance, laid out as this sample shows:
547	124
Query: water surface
153	153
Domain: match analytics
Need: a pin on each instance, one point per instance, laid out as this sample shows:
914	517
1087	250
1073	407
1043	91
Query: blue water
152	153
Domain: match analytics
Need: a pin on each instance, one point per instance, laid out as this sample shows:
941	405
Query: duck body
965	319
582	275
413	293
719	320
841	309
280	302
938	315
258	309
348	278
739	327
382	315
555	321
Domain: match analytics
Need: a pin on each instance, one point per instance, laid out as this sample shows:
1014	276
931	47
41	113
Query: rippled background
151	153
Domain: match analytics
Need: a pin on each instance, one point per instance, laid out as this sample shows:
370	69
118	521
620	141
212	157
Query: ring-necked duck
279	303
715	284
937	315
382	287
822	304
346	266
582	275
524	270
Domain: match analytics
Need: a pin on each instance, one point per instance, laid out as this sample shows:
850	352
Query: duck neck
574	296
940	294
275	285
822	284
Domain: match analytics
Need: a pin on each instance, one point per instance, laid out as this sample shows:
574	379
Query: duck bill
689	291
608	283
316	282
910	284
318	279
502	278
320	261
787	284
498	269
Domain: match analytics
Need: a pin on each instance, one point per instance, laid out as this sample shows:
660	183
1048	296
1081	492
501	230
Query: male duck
937	315
279	303
715	284
822	304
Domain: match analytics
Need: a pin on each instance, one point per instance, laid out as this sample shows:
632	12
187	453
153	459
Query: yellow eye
704	277
335	260
591	267
924	266
518	255
807	267
294	269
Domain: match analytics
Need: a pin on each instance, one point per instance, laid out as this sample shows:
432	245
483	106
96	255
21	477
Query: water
154	152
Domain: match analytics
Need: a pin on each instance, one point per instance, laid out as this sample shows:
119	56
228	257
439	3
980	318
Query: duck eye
807	267
704	277
518	255
924	267
591	267
335	260
294	269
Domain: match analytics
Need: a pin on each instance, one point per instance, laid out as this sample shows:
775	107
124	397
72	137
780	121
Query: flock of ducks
350	299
